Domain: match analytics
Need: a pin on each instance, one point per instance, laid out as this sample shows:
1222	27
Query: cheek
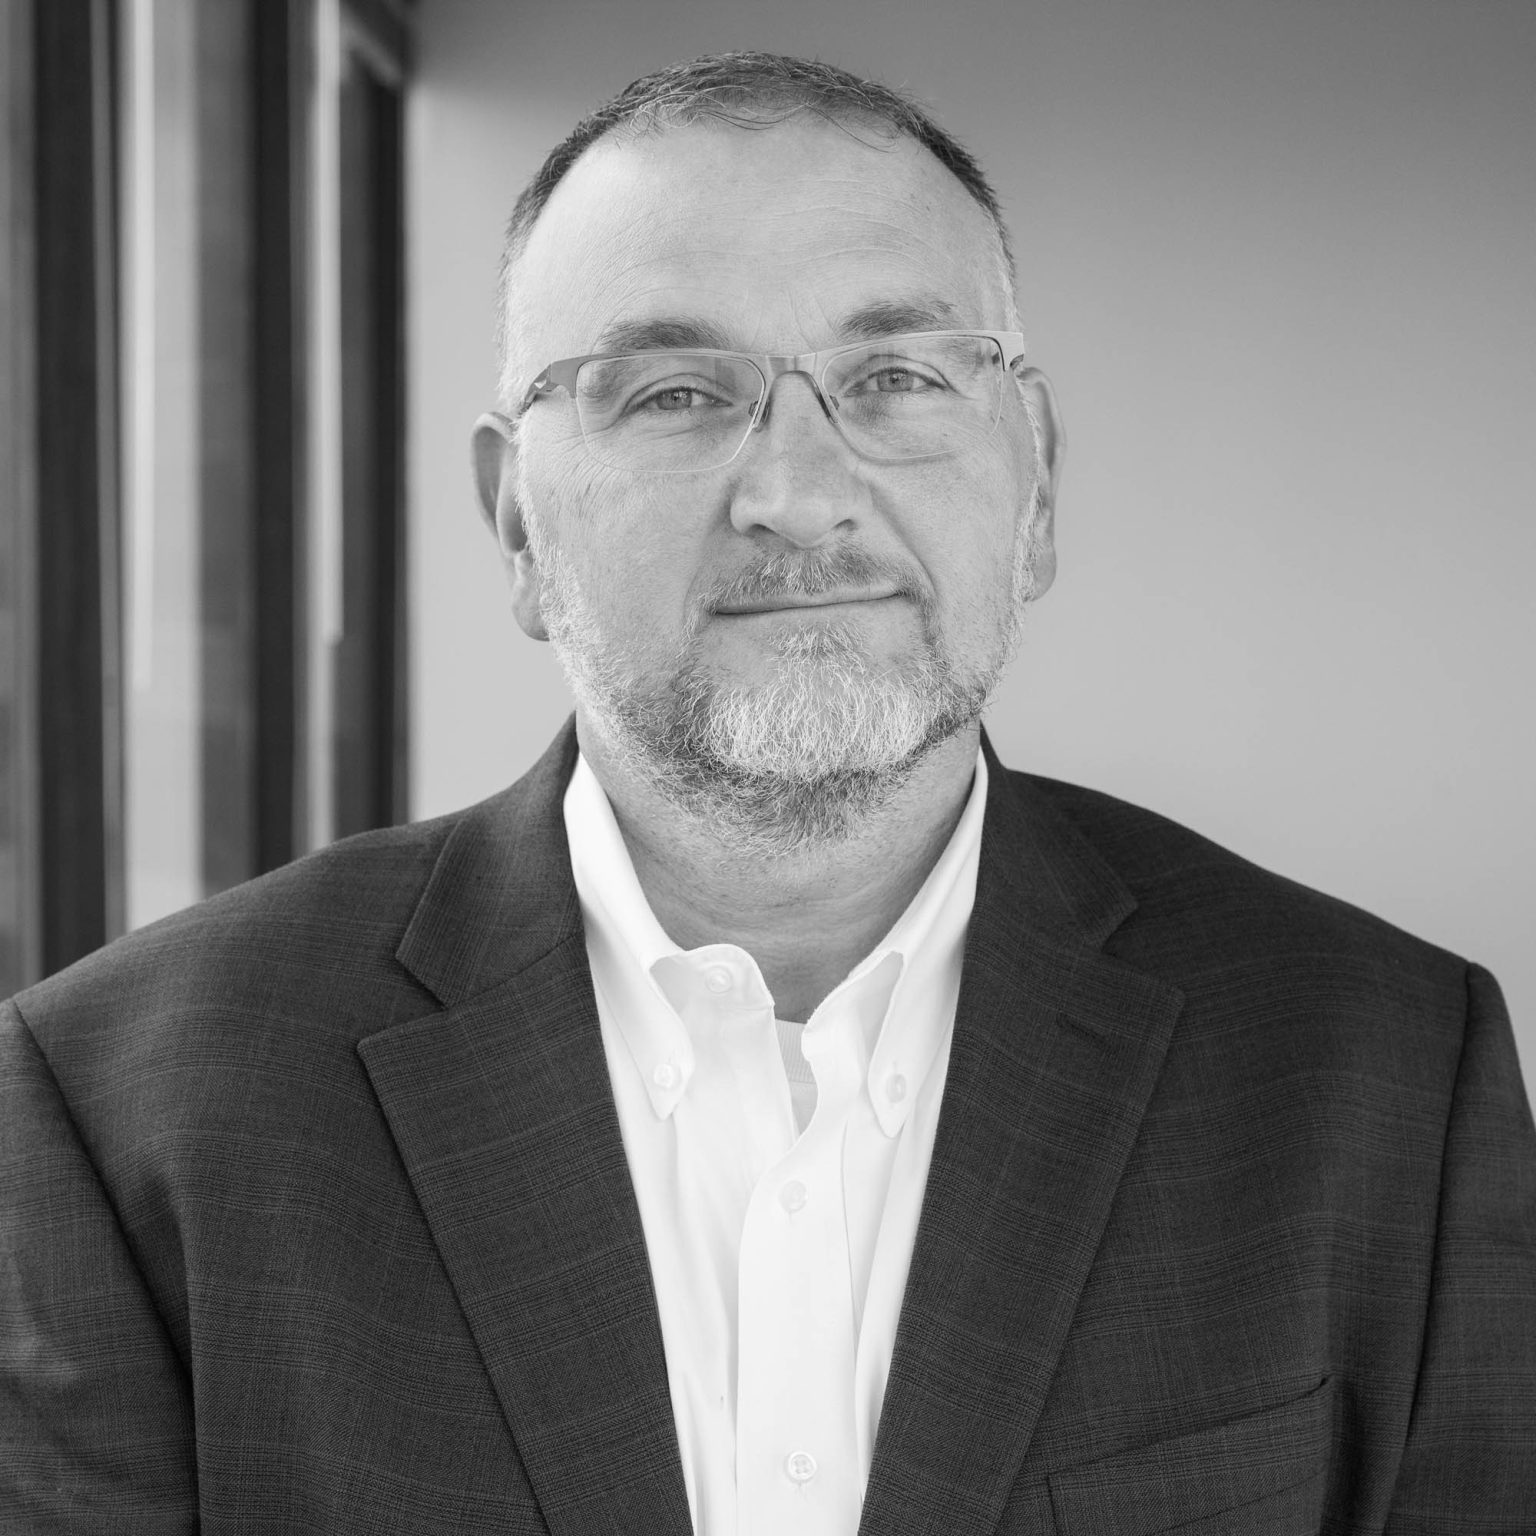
559	484
627	539
566	501
968	519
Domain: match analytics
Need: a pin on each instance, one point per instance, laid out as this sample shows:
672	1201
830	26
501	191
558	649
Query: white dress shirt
779	1254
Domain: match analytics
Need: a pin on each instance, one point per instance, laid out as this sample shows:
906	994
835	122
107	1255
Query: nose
796	477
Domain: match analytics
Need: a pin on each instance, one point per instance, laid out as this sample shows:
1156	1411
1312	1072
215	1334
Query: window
201	613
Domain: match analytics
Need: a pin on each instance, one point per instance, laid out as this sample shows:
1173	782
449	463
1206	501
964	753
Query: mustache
811	573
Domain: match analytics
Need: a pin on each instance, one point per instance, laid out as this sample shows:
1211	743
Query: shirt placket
796	1466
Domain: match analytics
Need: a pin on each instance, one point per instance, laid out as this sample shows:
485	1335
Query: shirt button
665	1076
718	978
792	1198
895	1087
801	1466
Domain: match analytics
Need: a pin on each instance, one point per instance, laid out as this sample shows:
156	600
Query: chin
822	718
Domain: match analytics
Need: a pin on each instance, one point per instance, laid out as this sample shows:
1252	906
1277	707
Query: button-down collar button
666	1075
801	1466
895	1087
718	978
792	1197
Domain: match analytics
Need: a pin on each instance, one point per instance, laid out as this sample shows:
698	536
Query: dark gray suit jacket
316	1216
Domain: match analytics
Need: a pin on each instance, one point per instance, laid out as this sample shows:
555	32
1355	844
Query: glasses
928	395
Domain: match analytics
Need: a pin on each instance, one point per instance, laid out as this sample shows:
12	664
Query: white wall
1279	260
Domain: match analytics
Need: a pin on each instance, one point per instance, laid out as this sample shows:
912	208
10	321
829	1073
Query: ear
495	464
1041	400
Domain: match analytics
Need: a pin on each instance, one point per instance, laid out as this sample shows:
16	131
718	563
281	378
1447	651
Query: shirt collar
625	943
903	989
928	941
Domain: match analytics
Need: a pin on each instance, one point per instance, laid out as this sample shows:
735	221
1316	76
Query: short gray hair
748	90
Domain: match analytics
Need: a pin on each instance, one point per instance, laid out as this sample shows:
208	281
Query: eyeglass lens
913	397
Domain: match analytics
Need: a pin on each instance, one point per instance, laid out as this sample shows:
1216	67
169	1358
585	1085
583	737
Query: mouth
784	603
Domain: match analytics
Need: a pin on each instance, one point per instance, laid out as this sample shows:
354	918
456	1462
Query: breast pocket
1262	1475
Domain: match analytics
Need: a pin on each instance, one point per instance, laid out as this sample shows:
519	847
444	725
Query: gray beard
806	758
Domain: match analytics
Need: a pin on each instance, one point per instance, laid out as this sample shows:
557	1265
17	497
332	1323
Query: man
771	1114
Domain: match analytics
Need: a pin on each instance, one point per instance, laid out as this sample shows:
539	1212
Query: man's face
799	614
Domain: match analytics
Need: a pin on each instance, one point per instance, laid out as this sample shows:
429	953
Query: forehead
769	236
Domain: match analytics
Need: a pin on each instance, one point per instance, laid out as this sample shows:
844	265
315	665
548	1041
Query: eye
676	397
681	394
893	378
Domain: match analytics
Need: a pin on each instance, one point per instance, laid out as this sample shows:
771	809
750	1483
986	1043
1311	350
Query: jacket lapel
503	1115
1056	1051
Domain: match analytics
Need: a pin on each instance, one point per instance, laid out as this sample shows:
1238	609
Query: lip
786	604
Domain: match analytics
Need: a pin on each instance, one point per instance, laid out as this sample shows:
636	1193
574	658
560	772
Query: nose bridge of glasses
781	366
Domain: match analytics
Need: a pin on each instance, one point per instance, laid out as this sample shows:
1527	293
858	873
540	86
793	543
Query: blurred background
1279	257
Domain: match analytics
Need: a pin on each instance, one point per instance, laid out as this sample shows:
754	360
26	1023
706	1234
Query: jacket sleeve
1470	1459
95	1406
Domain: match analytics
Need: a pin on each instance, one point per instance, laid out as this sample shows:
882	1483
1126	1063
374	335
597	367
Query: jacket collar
504	1117
500	895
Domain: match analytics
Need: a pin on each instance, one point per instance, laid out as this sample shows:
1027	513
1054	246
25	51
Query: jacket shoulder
1199	904
1277	979
316	936
297	966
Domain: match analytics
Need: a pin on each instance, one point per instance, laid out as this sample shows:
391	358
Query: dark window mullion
20	918
370	663
78	644
227	456
283	79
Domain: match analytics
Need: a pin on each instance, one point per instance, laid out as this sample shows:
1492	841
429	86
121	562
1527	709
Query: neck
808	913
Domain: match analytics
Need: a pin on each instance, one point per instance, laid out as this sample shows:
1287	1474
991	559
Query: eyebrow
892	317
665	333
668	333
